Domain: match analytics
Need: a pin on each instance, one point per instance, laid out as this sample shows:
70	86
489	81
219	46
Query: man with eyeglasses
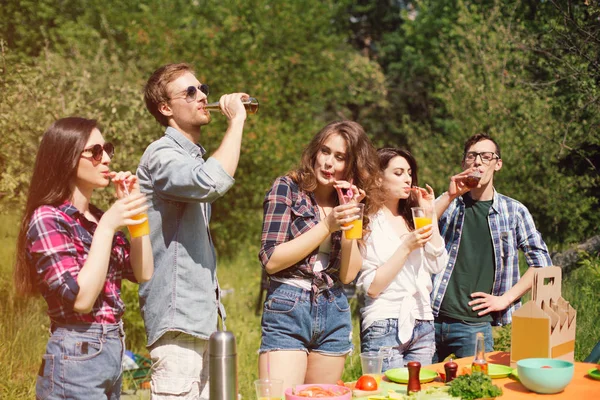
484	231
181	304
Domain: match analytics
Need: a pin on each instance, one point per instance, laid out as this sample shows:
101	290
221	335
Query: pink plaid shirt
58	243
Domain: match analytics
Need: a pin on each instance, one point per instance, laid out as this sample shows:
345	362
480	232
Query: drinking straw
124	186
345	198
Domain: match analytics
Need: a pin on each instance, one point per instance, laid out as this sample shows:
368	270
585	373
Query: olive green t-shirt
474	269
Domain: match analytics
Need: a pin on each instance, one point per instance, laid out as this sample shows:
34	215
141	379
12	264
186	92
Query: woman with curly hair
306	323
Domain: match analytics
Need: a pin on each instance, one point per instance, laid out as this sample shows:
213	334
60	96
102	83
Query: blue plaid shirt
512	228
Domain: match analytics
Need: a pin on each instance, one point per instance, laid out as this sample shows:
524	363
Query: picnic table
582	387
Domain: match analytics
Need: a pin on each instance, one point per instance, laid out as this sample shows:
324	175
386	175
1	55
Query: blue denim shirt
183	294
512	229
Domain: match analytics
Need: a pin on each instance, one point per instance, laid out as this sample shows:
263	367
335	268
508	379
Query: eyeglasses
486	156
97	151
192	91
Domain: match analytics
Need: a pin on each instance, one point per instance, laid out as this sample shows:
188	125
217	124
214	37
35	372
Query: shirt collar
68	208
495	201
194	149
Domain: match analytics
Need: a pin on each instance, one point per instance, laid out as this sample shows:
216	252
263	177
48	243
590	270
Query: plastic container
345	393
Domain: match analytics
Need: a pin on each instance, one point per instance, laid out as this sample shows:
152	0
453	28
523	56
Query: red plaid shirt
58	243
288	213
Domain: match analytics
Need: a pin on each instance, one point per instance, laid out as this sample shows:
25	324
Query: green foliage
24	327
287	54
581	288
526	75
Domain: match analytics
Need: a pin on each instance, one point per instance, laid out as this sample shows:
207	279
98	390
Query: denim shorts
295	319
384	334
82	361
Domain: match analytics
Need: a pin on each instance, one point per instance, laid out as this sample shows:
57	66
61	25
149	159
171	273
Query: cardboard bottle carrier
545	325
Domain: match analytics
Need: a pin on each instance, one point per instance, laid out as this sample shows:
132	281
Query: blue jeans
384	333
82	362
293	320
457	337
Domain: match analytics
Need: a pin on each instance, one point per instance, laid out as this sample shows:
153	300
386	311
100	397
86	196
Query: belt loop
104	333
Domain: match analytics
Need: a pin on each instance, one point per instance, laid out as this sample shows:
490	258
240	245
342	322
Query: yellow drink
356	231
141	229
421	222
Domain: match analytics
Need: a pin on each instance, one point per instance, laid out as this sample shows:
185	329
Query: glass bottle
479	362
251	105
414	383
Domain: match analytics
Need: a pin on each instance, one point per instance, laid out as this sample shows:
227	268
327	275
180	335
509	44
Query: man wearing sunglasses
484	231
180	305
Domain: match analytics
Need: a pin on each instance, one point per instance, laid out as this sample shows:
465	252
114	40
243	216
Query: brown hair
54	170
361	162
155	91
404	205
478	138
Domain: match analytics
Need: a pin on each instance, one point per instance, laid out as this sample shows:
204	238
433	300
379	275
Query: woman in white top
397	267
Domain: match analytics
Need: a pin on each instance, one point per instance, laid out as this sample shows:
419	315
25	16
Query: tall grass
24	327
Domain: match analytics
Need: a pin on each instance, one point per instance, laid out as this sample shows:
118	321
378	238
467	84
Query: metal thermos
223	366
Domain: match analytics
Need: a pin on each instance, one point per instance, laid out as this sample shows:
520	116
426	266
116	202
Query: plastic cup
357	225
372	364
422	216
139	229
269	389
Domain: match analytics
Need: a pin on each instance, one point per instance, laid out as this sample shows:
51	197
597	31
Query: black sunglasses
192	91
97	151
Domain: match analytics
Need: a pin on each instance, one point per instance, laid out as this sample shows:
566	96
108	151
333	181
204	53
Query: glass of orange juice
139	229
357	225
422	216
269	389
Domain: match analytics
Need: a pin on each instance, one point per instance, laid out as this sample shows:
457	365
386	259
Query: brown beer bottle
251	106
414	383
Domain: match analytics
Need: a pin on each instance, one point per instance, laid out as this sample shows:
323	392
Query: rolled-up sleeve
435	258
276	219
54	256
368	271
177	176
530	241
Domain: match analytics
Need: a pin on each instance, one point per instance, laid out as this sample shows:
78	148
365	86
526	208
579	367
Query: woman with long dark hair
397	267
306	324
73	254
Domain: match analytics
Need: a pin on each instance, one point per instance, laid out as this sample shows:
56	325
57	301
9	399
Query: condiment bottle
479	362
414	383
450	367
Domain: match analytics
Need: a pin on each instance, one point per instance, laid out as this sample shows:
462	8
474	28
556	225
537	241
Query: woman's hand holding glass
131	203
348	215
418	238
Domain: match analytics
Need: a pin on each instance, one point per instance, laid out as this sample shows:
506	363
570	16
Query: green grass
24	327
